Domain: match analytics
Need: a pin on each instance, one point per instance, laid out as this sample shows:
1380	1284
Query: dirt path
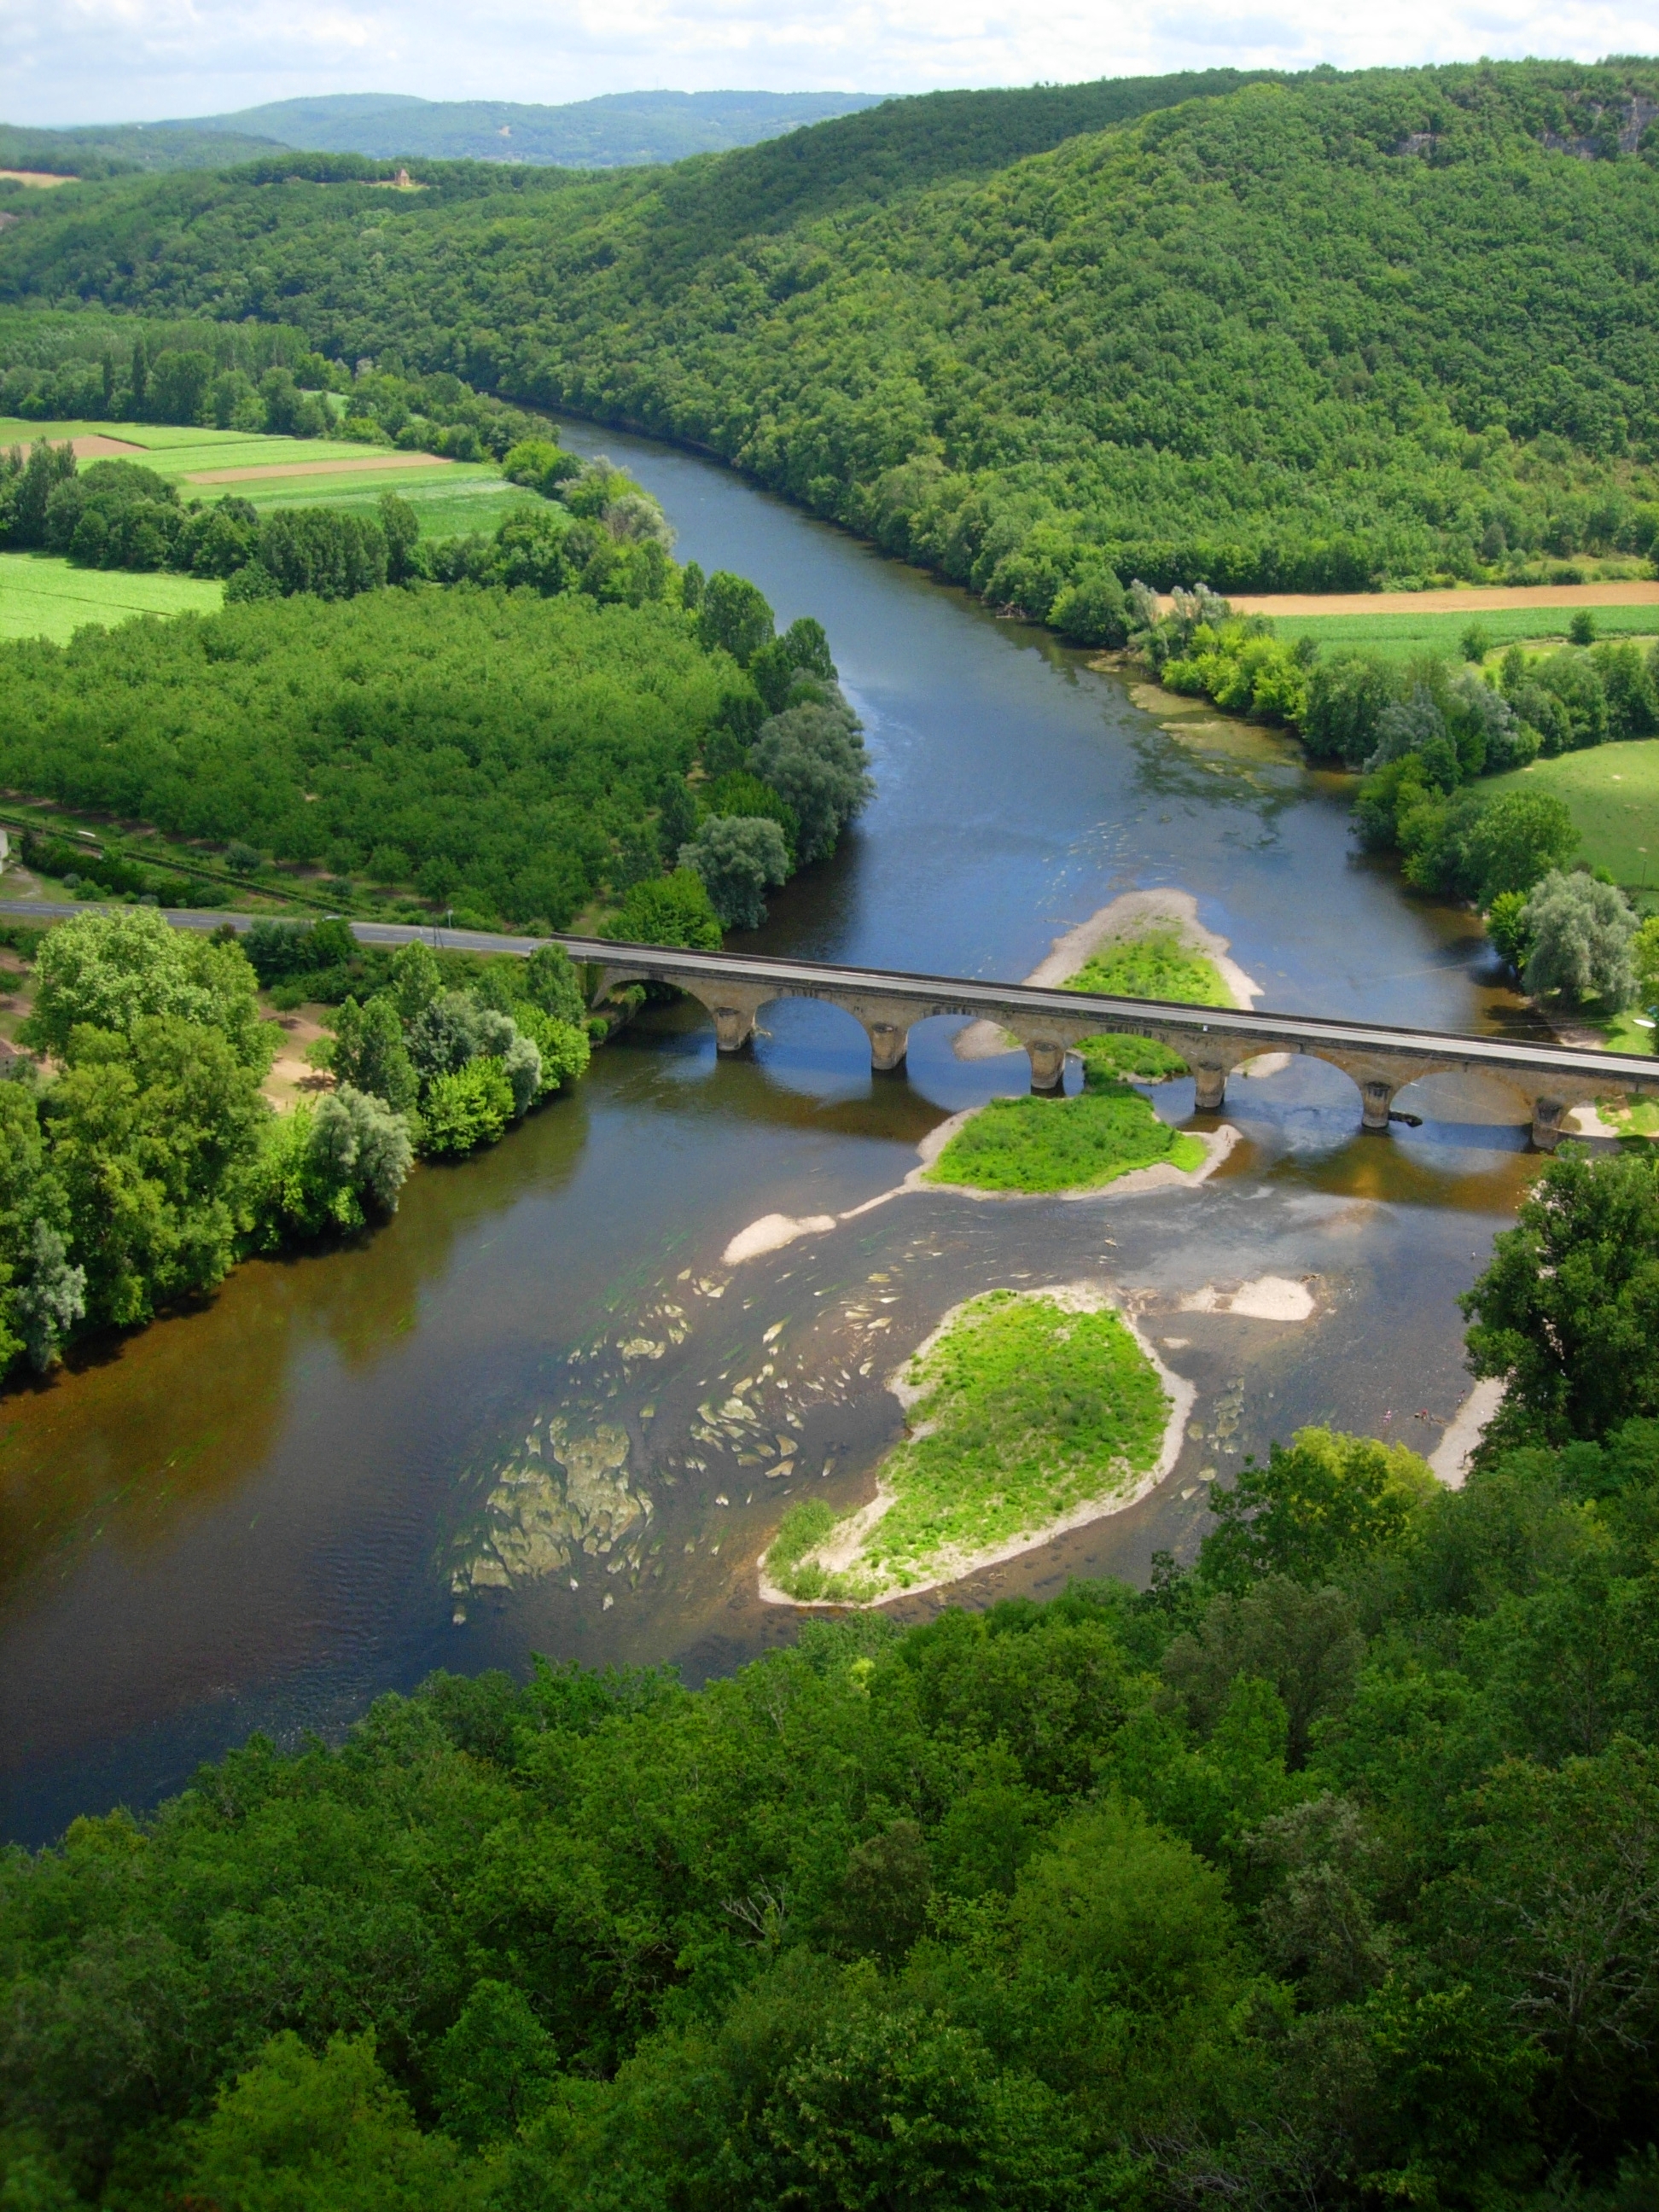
1497	598
322	468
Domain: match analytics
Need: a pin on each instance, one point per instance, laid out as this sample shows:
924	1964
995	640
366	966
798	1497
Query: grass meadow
42	595
1613	793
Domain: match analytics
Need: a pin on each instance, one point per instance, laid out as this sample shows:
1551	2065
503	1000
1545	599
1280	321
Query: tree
1567	1313
400	526
813	757
734	616
1305	1641
297	2133
1582	932
1515	841
494	2066
329	552
1507	926
1092	610
151	1132
1346	696
112	966
364	1143
738	857
369	1052
666	910
1644	958
470	1108
1321	1507
417	979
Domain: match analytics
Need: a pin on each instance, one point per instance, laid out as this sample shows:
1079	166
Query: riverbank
967	1468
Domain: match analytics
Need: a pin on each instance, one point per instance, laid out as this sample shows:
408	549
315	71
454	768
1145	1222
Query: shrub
470	1108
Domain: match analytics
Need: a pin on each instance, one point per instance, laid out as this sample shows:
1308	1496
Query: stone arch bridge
1547	1080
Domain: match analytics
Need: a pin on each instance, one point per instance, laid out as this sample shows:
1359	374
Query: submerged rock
570	1496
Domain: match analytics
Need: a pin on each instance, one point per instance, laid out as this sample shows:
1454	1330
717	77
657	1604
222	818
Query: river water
338	1475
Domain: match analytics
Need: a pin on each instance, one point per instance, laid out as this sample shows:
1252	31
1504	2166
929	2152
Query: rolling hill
1296	333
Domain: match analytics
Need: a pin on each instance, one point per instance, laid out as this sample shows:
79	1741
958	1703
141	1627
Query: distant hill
620	129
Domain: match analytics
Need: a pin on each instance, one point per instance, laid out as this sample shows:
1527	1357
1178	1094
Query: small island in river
1030	1412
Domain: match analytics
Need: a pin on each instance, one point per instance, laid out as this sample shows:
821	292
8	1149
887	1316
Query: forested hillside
1324	1873
1316	332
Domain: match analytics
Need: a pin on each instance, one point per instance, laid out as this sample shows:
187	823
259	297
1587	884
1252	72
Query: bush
469	1107
667	910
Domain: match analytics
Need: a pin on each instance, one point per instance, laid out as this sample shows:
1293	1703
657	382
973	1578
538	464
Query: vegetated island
1147	945
1032	1412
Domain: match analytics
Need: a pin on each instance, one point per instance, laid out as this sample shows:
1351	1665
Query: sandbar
1133	914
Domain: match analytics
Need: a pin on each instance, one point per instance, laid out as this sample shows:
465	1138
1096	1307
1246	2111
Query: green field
451	496
41	596
1613	792
1406	636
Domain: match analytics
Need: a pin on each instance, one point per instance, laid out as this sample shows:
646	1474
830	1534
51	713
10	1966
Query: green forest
139	1157
1324	1871
252	376
509	755
1310	334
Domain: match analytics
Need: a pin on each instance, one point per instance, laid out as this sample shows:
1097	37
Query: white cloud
109	60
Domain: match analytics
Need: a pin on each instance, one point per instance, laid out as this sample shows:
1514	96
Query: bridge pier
733	1027
1047	1061
1547	1115
1209	1086
889	1043
1377	1098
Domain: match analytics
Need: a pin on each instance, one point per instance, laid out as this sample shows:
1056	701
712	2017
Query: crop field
1613	792
1405	636
41	596
451	496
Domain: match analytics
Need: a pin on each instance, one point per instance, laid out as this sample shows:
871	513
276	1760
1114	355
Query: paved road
366	932
991	1001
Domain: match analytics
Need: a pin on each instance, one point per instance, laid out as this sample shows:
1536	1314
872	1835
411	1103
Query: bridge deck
990	1002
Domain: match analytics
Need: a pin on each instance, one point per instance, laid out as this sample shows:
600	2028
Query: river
262	1514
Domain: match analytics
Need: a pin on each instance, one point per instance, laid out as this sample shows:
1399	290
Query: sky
100	61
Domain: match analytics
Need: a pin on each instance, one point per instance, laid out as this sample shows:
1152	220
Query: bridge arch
1547	1080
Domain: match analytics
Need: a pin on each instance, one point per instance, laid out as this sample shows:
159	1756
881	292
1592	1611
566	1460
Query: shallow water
261	1514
